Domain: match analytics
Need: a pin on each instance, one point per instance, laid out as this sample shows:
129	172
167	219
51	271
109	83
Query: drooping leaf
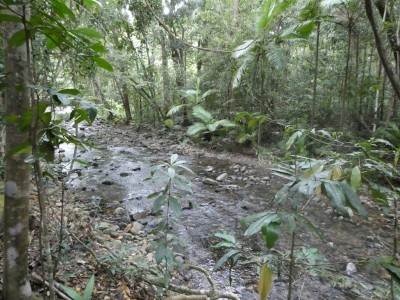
102	63
169	123
335	194
271	233
62	10
271	10
378	193
158	202
239	73
161	251
17	39
71	292
353	199
175	206
89	32
265	282
308	225
171	172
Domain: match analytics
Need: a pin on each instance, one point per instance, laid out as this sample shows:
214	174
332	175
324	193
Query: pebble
210	181
222	177
351	268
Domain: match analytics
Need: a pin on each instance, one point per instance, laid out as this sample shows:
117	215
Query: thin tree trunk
16	284
376	104
345	94
380	45
165	74
314	99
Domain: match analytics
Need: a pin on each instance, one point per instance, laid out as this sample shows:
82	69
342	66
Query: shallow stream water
115	173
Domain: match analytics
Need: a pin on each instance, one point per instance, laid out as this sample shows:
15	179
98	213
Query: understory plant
307	178
206	125
381	163
248	126
174	186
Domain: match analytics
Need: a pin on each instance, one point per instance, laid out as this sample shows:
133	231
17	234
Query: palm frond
196	129
275	56
243	48
202	114
238	76
174	109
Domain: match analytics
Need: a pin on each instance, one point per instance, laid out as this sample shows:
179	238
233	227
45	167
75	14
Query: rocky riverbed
109	213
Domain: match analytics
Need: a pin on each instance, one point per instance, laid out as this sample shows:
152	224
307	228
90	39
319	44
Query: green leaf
243	48
265	282
98	47
158	202
394	272
265	219
271	233
309	225
202	114
17	39
10	18
91	3
171	172
174	158
353	199
21	149
169	123
174	109
292	138
71	292
70	91
335	193
89	32
196	129
175	206
355	178
62	10
229	255
87	295
226	236
161	251
102	63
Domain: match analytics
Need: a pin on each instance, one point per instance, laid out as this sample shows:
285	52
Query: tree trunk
380	45
235	13
17	172
345	94
165	75
314	99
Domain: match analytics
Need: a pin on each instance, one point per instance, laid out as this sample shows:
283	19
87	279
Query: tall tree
17	172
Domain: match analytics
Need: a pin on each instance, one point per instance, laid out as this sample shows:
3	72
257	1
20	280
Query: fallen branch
57	286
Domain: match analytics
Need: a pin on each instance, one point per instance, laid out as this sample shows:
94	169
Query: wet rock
128	228
95	164
136	227
351	268
209	169
119	212
124	174
210	181
222	177
136	168
107	182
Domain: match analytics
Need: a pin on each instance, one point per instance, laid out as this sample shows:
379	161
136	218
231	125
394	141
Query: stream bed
114	177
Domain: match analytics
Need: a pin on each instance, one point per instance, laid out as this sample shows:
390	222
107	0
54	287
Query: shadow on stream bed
111	184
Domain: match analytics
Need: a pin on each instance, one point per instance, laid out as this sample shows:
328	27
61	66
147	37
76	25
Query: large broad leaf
265	282
353	199
62	10
102	63
335	193
265	219
229	255
394	272
226	236
202	114
10	18
271	233
89	32
196	129
379	192
17	39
